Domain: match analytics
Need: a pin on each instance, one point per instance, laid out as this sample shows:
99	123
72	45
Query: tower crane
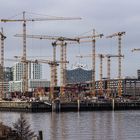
20	59
101	56
59	41
93	40
62	42
94	58
49	62
24	20
53	82
2	61
119	35
109	56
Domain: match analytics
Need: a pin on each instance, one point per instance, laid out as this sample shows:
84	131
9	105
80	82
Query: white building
34	71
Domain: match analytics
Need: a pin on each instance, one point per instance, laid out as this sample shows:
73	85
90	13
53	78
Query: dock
23	106
95	106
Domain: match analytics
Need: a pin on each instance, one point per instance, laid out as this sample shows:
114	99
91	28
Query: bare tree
22	128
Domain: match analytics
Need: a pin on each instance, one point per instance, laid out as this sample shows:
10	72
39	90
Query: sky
105	16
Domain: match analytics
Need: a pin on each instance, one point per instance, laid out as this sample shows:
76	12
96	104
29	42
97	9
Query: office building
34	71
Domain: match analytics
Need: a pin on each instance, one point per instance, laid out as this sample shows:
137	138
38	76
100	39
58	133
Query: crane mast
54	66
119	34
2	61
93	37
93	64
25	71
101	56
109	56
62	42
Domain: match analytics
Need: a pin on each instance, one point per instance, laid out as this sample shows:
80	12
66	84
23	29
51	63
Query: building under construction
129	87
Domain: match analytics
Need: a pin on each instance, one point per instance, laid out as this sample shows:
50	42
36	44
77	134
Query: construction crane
94	58
93	40
21	60
101	56
62	42
59	41
109	56
53	81
3	37
119	35
24	20
52	64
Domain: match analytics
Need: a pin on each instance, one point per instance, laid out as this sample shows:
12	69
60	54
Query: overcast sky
106	16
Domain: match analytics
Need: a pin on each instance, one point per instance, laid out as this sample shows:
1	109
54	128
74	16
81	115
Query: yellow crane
59	41
53	82
62	42
109	56
119	35
93	37
79	39
24	20
49	62
101	56
3	37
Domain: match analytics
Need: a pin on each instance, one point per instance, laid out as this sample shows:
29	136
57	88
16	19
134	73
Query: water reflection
106	125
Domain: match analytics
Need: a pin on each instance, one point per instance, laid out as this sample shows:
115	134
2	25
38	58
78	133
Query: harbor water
96	125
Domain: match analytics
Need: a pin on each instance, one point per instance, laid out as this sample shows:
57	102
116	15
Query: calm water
107	125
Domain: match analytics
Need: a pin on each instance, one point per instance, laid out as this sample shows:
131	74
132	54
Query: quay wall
58	106
24	106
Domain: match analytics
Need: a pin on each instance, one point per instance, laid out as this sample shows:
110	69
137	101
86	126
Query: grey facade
8	74
130	86
78	75
138	74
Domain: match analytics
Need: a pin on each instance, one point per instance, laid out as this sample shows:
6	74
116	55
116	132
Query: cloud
107	16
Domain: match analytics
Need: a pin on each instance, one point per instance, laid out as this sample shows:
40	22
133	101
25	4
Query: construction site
77	85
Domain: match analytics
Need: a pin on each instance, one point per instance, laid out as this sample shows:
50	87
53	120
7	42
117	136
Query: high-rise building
8	74
34	71
18	70
138	73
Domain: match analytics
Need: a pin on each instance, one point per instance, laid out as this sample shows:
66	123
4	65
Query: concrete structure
138	74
